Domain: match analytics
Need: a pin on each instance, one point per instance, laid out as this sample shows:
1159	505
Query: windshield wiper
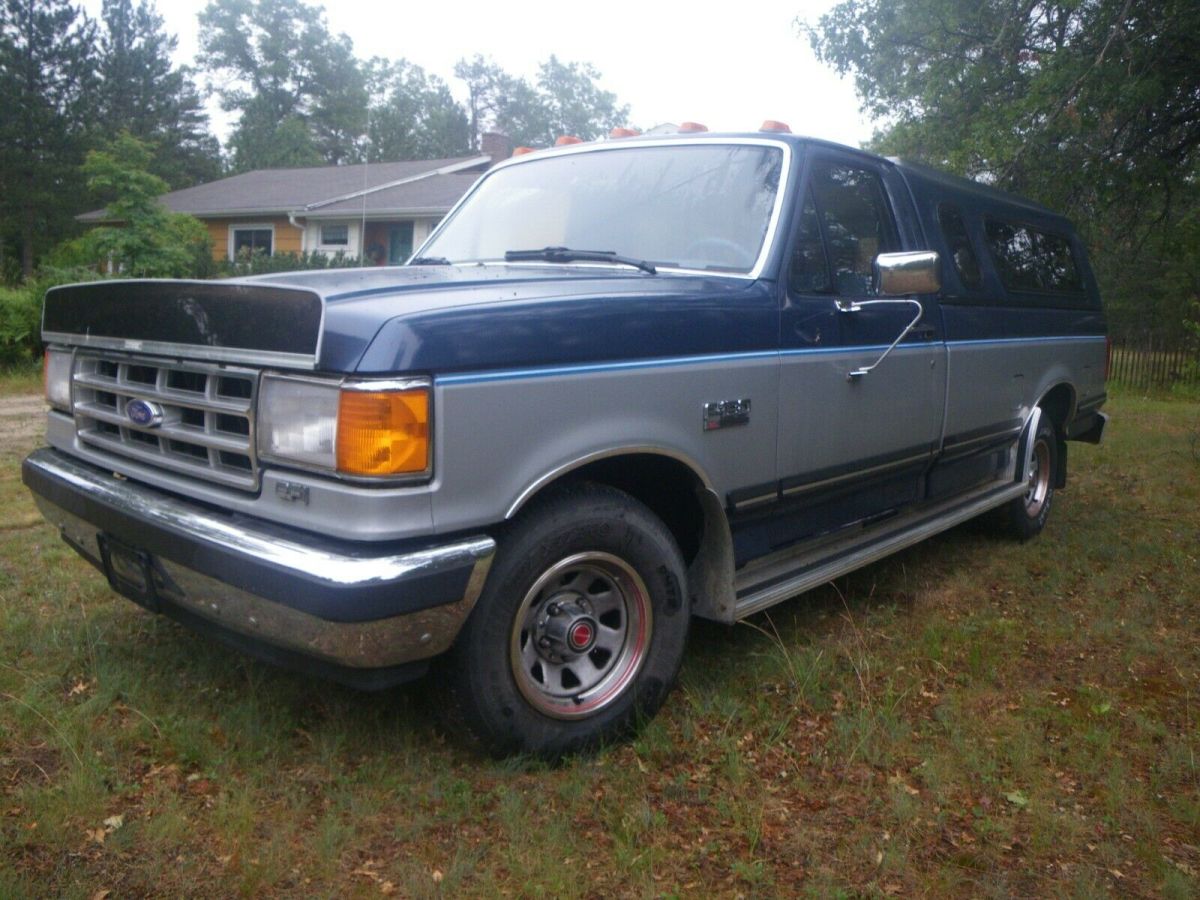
566	254
429	261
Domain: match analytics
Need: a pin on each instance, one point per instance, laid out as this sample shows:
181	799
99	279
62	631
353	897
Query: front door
851	447
400	243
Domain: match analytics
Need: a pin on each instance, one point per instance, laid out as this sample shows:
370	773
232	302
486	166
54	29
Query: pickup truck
623	383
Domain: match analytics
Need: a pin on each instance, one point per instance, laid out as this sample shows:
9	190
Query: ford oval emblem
144	413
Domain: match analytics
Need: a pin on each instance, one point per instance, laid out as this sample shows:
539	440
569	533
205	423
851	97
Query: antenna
362	227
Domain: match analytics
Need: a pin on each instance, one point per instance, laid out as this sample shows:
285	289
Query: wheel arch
677	490
1058	404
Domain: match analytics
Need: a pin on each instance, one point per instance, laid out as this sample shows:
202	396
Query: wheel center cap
581	635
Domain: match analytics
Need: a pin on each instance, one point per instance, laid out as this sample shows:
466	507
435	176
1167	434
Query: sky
728	65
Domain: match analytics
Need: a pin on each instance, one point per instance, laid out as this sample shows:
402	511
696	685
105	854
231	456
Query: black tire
1026	516
579	632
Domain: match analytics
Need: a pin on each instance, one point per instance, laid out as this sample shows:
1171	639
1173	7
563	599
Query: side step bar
765	582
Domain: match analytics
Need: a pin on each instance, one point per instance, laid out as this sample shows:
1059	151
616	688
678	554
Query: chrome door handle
853	306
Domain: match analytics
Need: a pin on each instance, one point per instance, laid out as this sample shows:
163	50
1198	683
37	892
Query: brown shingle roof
292	190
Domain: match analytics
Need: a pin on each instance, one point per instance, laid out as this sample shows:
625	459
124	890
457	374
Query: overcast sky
729	66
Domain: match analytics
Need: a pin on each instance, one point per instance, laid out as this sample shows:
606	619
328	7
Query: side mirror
916	272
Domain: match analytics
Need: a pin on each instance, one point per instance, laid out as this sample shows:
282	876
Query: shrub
20	320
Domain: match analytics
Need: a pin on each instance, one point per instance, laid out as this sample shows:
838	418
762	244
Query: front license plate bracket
130	571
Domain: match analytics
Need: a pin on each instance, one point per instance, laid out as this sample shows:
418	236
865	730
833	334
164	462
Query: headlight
56	376
368	428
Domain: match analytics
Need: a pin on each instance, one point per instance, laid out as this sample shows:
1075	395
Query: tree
277	63
141	92
150	241
46	89
413	116
1091	107
574	103
564	100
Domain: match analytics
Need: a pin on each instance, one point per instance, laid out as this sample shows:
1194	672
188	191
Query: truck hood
429	319
451	318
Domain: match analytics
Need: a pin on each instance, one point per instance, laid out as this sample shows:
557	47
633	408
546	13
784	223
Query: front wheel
1026	515
579	631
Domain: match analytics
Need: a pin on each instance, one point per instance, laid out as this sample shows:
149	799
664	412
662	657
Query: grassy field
973	717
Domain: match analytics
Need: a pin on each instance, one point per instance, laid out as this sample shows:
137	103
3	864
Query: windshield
703	206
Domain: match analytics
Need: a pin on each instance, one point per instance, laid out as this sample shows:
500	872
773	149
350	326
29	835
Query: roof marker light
623	133
565	139
774	125
521	151
692	128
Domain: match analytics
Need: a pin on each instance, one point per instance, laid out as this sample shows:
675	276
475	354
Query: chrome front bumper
354	606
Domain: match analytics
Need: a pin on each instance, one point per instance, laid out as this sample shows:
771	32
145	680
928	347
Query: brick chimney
496	145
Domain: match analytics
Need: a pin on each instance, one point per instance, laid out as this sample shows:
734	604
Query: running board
765	582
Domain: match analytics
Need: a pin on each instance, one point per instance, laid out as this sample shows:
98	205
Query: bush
21	313
261	264
20	321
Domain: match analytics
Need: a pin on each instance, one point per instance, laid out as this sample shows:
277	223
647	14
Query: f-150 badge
723	413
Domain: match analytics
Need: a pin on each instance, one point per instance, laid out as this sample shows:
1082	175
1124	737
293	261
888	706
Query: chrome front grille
201	416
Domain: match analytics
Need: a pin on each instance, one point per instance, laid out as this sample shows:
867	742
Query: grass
973	717
21	378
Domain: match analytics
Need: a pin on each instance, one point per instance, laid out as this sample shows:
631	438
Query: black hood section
233	322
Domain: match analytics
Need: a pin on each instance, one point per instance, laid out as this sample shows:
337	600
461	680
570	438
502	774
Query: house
386	209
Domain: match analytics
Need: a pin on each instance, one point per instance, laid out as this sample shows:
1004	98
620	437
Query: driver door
851	447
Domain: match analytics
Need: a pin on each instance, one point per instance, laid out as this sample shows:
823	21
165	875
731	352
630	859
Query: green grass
973	717
21	378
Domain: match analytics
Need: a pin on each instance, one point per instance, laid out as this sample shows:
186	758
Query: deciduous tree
1092	107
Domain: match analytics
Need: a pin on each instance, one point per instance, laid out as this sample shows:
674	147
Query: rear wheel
1026	515
580	629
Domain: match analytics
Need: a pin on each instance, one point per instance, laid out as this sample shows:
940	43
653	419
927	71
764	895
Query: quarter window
1032	260
961	251
858	222
253	240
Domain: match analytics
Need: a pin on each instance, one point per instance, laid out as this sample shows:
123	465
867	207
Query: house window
251	239
335	235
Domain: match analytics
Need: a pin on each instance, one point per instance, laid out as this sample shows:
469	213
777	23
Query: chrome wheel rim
1037	479
581	635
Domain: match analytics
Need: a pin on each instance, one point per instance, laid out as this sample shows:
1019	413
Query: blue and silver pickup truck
622	384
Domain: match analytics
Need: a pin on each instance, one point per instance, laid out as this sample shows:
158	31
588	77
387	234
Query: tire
579	632
1026	516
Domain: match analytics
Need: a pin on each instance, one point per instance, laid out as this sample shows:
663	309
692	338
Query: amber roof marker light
565	139
776	126
623	133
692	128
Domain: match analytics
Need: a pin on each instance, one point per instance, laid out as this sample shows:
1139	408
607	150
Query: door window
809	271
854	212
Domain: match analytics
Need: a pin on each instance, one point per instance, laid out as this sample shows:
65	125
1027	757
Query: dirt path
22	421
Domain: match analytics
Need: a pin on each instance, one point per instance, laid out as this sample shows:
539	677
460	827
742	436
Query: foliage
565	100
260	263
141	92
1090	107
20	313
149	240
283	69
413	115
46	93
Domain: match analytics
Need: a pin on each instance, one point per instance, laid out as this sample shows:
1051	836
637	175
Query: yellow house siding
288	239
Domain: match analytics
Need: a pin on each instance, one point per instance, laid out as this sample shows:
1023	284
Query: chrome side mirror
915	272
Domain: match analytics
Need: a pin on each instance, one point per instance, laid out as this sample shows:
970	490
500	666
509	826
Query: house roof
429	185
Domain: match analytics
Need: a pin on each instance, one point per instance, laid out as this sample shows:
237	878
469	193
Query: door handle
924	332
853	306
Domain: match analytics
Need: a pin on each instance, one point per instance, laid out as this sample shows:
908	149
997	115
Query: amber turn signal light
383	432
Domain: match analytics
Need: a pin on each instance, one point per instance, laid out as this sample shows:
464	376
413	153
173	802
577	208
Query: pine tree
142	93
46	92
